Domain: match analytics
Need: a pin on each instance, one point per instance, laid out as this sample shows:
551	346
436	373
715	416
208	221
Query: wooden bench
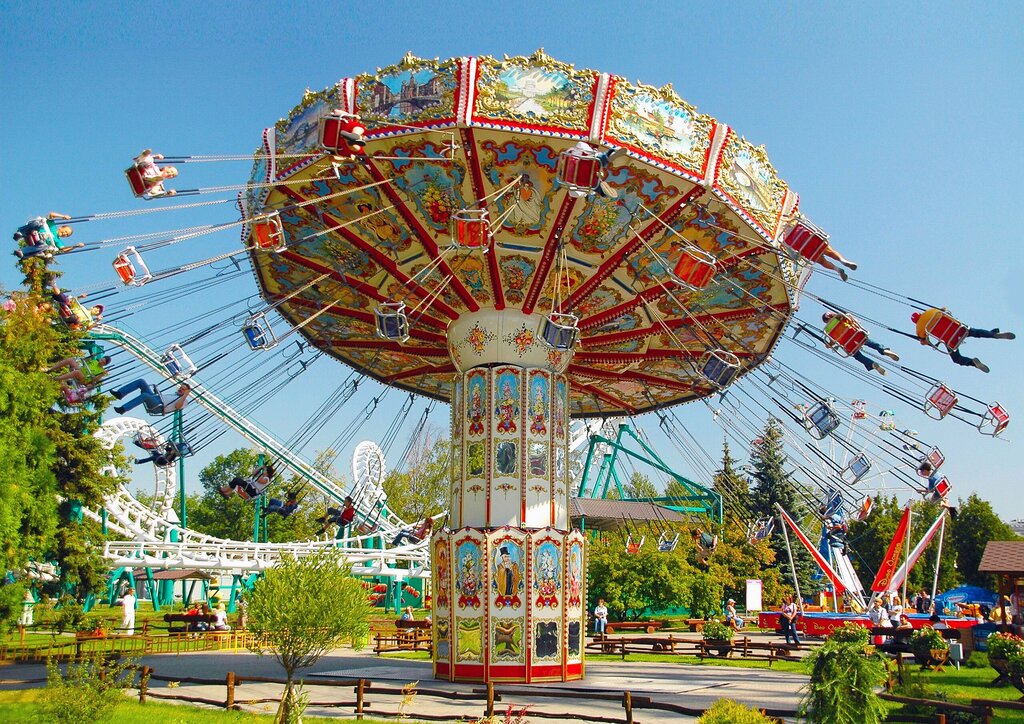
400	624
411	640
180	623
744	646
648	626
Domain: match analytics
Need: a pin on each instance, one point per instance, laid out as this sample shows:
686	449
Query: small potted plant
718	636
929	647
850	633
1000	647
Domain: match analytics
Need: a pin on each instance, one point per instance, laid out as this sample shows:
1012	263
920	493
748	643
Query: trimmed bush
727	711
842	688
717	631
850	633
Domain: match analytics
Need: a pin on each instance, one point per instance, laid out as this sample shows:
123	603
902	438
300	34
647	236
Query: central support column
508	576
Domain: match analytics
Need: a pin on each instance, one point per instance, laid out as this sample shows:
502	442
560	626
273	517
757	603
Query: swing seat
258	332
845	335
761	529
471	229
559	331
667	542
939	401
859	413
947	331
934	458
75	395
995	420
341	134
859	466
579	170
392	322
76	316
939	489
128	265
177	363
137	181
268	233
695	268
821	420
806	240
633	547
865	508
37	234
719	367
833	502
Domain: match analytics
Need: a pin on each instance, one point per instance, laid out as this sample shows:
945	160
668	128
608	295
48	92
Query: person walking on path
128	602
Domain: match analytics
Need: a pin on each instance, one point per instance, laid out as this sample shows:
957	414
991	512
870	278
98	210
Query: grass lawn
25	706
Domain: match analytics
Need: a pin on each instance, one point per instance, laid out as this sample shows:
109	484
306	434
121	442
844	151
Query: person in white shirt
895	611
128	601
220	619
600	617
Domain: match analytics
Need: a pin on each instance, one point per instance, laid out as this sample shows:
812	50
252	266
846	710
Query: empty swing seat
859	466
807	240
821	420
633	547
939	401
177	363
845	335
471	229
258	332
667	543
579	169
341	134
946	330
695	268
268	233
865	508
559	331
719	367
131	268
392	322
994	421
930	463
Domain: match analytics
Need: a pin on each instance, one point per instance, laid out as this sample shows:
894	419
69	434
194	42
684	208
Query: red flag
891	561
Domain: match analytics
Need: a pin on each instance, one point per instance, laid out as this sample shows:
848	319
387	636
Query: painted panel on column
441	603
560	442
470	604
538	461
547	572
509	602
507	460
474	484
575	596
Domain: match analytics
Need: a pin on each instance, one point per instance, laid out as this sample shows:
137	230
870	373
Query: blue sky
900	127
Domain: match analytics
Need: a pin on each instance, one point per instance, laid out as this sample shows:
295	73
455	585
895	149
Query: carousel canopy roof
483	133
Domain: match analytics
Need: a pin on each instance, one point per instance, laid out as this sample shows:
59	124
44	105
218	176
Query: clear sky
900	127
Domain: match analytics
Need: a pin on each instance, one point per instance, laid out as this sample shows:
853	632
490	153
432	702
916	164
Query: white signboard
753	594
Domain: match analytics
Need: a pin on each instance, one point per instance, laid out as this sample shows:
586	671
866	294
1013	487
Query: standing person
27	606
600	617
128	602
788	619
895	610
243	612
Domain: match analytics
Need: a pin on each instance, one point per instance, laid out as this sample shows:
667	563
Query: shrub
1001	645
716	631
727	711
1015	663
842	686
88	691
850	633
924	640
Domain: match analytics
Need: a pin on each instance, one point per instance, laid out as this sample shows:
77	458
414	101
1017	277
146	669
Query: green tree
302	609
976	525
774	486
843	685
222	517
630	584
48	452
423	487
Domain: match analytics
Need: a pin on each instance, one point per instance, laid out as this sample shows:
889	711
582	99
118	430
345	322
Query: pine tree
774	486
733	487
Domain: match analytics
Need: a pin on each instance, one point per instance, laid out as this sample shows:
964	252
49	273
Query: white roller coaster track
157	540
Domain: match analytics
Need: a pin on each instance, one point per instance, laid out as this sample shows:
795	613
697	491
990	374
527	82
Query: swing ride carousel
530	242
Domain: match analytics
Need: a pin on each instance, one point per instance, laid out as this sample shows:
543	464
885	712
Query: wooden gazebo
1005	560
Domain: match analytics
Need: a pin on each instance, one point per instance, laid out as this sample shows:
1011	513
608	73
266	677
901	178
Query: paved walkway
696	687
